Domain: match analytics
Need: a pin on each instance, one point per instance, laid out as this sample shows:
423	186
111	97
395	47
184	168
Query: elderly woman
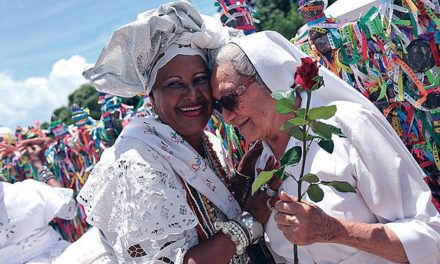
162	193
389	219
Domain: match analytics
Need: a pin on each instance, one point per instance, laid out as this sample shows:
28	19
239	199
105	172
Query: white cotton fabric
390	190
26	209
134	194
125	63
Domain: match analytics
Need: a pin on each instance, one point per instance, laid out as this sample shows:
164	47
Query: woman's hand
7	150
258	204
247	163
303	223
35	149
246	173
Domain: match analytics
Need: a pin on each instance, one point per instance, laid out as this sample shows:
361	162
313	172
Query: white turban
125	65
276	59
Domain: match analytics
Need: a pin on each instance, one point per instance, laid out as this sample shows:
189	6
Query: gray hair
232	53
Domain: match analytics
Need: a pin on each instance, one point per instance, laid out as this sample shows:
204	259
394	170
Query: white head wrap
125	65
168	54
276	59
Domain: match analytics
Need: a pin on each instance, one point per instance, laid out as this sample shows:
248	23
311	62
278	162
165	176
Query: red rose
305	74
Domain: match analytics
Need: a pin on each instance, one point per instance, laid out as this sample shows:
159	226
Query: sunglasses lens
228	102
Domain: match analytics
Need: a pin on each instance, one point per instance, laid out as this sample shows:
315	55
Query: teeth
187	109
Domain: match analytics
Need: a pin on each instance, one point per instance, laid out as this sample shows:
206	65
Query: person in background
389	219
27	208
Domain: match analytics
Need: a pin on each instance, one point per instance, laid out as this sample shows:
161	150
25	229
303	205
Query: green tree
63	114
87	97
278	15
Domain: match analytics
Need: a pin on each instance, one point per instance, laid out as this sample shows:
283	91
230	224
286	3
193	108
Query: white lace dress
26	208
139	205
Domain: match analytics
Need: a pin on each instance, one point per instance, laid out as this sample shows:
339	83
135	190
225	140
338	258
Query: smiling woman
162	193
182	95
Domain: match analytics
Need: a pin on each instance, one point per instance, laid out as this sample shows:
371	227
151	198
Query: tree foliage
87	97
280	16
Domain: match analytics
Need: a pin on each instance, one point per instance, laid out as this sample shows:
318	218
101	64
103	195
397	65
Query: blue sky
46	44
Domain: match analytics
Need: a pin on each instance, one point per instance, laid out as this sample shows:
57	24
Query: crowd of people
169	182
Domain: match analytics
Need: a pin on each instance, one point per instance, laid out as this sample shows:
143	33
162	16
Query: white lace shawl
135	197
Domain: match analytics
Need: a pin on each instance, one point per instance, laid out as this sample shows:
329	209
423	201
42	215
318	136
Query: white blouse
136	200
26	208
389	184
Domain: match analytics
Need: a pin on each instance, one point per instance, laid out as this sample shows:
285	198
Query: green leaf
280	173
291	157
278	95
321	129
262	178
318	79
301	112
289	94
297	133
310	178
285	126
336	131
315	193
284	106
297	121
327	145
322	112
340	186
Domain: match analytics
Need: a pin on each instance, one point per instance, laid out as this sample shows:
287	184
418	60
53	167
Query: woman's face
255	115
182	94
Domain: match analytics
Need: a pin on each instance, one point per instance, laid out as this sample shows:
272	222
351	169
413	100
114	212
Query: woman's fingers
286	219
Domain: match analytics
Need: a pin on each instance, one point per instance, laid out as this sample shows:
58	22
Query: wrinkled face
182	95
255	114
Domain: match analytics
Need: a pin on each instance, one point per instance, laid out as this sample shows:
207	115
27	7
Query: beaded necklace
201	206
214	162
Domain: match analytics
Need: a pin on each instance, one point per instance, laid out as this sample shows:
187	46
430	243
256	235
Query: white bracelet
236	233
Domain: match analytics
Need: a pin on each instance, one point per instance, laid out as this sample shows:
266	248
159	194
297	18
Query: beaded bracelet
44	174
243	231
236	233
253	228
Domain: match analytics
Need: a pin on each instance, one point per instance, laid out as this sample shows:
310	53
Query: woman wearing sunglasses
163	192
389	219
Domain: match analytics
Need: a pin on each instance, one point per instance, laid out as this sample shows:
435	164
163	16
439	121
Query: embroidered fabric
25	211
135	197
148	203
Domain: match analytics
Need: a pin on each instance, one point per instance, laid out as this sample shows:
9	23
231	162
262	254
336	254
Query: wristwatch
44	174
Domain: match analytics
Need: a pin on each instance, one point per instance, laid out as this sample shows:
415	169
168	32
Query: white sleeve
135	198
57	201
69	210
392	186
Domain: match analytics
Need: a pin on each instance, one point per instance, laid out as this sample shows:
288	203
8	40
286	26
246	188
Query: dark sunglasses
229	101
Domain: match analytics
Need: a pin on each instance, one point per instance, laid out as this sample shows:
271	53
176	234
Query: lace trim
132	197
